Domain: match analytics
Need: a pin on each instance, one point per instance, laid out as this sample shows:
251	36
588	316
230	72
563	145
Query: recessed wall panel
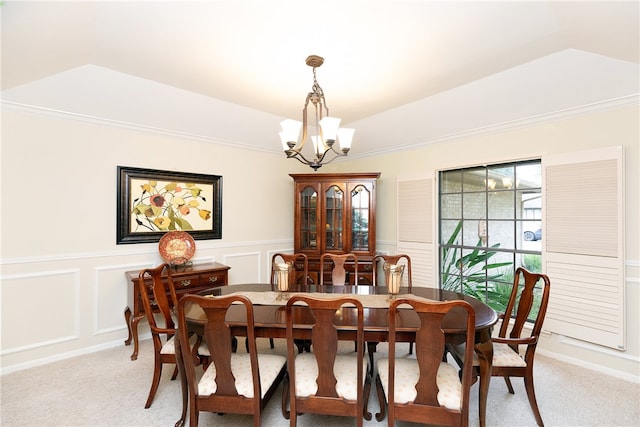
39	309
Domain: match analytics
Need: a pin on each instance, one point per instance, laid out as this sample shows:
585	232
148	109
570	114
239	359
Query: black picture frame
152	202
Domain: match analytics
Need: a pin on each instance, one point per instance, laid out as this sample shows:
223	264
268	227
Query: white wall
63	288
62	268
619	126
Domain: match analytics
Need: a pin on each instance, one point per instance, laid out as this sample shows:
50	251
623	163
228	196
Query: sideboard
187	280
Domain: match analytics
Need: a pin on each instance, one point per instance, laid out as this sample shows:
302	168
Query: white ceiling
231	70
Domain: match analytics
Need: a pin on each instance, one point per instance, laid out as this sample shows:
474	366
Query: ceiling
185	65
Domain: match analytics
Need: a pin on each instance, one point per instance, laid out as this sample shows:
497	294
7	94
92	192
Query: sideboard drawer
184	282
218	278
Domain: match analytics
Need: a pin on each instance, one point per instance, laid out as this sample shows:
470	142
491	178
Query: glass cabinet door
308	218
334	203
360	202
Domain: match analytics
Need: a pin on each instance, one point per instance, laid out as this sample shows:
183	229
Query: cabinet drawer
217	278
184	282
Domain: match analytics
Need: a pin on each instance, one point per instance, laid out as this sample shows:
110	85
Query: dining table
269	322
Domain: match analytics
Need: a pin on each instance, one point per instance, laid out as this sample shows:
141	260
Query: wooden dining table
269	322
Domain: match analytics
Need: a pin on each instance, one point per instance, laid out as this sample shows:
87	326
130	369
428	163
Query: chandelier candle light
325	130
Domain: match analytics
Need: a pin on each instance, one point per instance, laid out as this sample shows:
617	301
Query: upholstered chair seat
345	367
270	366
407	375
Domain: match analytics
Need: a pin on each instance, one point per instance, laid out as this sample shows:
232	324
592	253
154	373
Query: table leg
183	382
484	350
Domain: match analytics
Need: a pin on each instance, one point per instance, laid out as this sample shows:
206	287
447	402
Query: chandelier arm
299	157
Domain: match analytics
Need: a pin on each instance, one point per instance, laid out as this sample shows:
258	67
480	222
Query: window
490	223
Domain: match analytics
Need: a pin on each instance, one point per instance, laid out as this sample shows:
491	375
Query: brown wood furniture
380	278
506	361
379	260
270	322
323	390
426	389
300	263
336	213
239	383
156	285
191	279
333	269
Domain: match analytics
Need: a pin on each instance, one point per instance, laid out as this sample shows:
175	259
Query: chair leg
411	347
285	396
507	381
157	372
271	343
175	373
531	394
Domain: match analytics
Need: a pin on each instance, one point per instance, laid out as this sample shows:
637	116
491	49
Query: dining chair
293	259
425	389
379	260
239	383
380	278
162	327
339	274
325	381
508	361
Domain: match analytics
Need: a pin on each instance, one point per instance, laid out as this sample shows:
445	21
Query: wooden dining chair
239	383
294	259
324	381
380	278
338	272
425	389
507	360
399	259
162	327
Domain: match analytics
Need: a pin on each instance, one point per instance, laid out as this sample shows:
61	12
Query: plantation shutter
584	245
415	204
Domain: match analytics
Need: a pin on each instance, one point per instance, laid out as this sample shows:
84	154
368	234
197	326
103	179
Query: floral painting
152	202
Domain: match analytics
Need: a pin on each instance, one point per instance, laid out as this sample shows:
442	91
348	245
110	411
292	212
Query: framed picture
152	202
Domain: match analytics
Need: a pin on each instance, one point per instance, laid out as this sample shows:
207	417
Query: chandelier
323	130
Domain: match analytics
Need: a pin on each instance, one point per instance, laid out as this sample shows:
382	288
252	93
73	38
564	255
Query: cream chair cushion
269	365
503	355
345	370
407	373
170	346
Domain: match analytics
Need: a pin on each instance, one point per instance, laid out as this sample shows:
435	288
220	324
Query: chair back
379	274
292	259
164	298
430	347
324	340
338	271
217	390
527	288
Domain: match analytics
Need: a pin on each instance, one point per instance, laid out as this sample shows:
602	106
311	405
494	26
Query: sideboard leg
134	331
127	319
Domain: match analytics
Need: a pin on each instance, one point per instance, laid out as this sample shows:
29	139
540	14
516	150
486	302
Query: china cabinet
336	213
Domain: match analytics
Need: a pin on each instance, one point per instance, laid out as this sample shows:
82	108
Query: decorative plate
177	247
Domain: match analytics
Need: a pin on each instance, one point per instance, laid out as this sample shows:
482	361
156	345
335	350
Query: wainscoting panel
39	309
245	267
112	289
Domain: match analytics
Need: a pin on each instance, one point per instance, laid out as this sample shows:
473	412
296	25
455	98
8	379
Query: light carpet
108	389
